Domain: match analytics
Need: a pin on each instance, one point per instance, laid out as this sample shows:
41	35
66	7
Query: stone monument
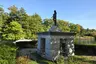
55	42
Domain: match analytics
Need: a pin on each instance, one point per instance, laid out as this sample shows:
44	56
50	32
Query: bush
7	53
60	60
3	62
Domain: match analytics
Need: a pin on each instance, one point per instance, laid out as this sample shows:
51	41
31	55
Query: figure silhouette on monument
54	18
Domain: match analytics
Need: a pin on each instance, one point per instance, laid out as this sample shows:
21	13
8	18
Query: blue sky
81	12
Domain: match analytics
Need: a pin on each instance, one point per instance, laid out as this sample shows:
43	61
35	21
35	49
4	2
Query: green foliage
47	24
79	60
1	10
32	26
13	9
32	62
7	54
75	28
71	60
13	31
93	34
74	60
64	26
1	24
18	24
1	18
60	60
3	62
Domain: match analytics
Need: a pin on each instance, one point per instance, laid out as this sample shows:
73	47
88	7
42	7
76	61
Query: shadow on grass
41	60
71	60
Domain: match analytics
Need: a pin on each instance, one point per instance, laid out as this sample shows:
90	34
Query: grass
87	44
9	51
71	60
41	60
81	60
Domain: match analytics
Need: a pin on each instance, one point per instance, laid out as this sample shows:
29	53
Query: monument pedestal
53	43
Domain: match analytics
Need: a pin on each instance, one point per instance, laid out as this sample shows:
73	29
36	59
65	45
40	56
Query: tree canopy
18	24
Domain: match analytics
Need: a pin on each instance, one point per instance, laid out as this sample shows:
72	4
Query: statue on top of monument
54	18
54	28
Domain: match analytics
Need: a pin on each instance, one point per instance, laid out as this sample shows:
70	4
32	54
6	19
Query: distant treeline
18	24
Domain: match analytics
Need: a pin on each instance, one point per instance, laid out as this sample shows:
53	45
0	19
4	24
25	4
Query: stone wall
52	46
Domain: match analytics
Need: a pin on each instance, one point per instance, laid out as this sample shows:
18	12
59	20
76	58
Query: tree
83	31
1	10
64	26
22	14
1	19
13	9
75	28
94	34
22	17
32	26
13	13
72	27
47	23
13	31
1	24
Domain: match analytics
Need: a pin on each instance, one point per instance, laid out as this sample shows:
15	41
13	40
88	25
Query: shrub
3	62
7	54
60	60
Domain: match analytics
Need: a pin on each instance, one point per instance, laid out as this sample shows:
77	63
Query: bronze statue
54	17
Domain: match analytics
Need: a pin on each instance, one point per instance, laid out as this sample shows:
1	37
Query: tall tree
1	18
32	26
22	14
47	24
64	26
13	31
13	9
78	28
13	13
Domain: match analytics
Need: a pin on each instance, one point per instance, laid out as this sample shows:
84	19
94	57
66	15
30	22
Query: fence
84	40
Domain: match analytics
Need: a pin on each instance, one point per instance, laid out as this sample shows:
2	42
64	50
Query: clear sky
81	12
